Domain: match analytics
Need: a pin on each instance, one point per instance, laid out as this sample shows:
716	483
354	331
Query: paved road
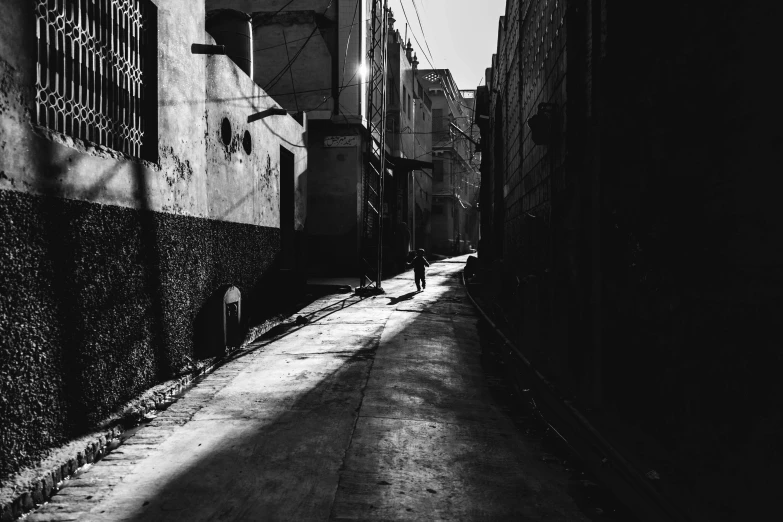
377	409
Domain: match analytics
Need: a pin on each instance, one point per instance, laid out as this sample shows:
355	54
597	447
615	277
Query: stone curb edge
632	475
107	437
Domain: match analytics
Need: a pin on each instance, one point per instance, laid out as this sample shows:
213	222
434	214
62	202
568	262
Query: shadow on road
404	297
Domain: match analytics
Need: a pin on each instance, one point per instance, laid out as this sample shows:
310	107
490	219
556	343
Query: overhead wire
291	73
423	34
276	78
347	43
414	35
300	39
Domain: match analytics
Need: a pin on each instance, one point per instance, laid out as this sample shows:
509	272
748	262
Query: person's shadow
404	297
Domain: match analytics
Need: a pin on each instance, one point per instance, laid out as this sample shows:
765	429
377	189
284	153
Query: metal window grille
91	76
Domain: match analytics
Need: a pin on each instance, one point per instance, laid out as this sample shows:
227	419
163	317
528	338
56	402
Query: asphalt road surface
375	409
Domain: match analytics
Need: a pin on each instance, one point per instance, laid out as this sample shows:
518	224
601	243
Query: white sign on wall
341	141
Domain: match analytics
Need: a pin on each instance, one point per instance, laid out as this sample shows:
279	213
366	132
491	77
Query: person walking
419	266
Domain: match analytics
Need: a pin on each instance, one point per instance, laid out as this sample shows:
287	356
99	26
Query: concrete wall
307	84
108	260
244	187
334	204
642	230
332	58
352	44
35	161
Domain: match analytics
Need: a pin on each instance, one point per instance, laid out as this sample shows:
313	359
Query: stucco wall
334	207
36	162
107	261
242	187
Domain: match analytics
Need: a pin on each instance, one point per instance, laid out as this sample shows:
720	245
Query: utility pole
384	48
413	208
376	123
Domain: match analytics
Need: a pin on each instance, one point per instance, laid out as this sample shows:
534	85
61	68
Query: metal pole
384	47
413	209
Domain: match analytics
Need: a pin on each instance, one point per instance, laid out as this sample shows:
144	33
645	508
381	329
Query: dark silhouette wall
645	233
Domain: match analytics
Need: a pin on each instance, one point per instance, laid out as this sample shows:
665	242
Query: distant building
132	191
327	45
409	128
456	182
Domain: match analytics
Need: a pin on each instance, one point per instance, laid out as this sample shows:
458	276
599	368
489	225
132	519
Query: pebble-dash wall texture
646	234
99	304
108	260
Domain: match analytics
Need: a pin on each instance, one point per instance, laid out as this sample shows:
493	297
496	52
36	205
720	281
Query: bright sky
462	34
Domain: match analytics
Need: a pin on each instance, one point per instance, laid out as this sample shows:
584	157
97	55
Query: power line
300	39
278	11
414	36
311	90
423	35
276	78
291	73
347	43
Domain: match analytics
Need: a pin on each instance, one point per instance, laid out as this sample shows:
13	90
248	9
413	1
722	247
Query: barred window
96	74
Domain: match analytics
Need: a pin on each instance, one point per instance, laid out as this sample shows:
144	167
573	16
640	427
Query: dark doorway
287	256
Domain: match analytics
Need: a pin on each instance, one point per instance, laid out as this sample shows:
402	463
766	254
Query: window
96	72
403	102
437	170
410	113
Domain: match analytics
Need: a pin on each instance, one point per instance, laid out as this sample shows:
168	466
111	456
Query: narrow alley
375	408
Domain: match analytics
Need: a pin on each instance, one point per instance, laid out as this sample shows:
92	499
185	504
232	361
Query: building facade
455	224
625	192
133	191
313	57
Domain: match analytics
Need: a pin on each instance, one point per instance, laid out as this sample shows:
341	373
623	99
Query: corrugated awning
408	164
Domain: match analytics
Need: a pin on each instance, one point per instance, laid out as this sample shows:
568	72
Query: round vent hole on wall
247	142
225	132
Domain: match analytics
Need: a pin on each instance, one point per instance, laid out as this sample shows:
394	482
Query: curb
338	289
629	473
107	437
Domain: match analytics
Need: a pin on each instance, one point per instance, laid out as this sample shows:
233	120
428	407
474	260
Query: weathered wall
99	303
334	204
691	256
307	32
37	162
307	83
643	232
242	186
107	261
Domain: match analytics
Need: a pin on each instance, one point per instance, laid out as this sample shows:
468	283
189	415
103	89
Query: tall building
313	56
456	182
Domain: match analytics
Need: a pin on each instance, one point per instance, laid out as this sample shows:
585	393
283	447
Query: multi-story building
455	181
133	190
312	55
409	124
